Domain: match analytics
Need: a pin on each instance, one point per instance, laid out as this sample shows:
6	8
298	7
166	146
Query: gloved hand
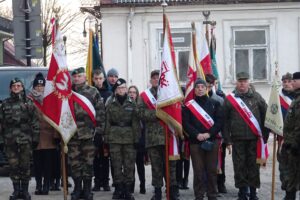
34	145
98	140
57	141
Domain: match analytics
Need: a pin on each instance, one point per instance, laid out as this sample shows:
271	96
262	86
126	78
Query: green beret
78	71
242	76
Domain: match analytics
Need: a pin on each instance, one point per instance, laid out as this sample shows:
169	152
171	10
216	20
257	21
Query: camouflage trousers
246	171
81	155
123	158
293	171
19	161
157	157
282	158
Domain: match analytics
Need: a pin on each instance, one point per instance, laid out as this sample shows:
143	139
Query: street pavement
264	192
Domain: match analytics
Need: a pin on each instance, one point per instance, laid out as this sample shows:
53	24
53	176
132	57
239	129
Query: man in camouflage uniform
155	144
20	130
244	143
291	144
286	93
81	146
122	135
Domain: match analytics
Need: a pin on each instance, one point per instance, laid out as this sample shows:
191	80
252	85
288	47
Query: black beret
242	76
200	81
154	72
78	71
210	78
15	80
119	82
296	75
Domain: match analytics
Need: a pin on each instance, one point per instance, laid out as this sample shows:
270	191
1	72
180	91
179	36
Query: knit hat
119	82
200	81
39	80
296	75
113	72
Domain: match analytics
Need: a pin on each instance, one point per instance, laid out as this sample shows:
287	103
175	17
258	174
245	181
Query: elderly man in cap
286	97
245	108
19	127
155	140
291	144
122	135
81	146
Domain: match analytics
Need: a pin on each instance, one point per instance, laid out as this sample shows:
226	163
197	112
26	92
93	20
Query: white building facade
250	37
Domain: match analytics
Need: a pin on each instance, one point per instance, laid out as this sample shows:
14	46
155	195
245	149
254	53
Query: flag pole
274	149
64	174
164	5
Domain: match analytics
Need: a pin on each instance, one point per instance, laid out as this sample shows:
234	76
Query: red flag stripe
86	105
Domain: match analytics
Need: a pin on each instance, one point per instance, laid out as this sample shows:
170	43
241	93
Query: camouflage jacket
235	128
121	122
154	132
85	126
19	121
291	128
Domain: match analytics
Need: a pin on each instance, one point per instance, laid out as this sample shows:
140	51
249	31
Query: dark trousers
101	166
246	170
56	165
140	155
43	164
221	177
205	170
182	165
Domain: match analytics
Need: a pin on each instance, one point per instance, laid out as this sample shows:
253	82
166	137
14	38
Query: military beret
113	72
296	75
200	81
242	76
78	71
15	80
287	76
154	72
119	82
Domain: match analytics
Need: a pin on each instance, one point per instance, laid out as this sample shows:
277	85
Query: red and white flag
191	76
203	52
58	102
168	107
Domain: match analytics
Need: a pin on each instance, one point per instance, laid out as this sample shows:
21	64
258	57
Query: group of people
128	133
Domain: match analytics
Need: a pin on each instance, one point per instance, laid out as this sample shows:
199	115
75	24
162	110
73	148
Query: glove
98	140
34	145
57	141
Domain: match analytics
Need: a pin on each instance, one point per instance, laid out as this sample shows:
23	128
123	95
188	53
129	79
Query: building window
181	42
250	52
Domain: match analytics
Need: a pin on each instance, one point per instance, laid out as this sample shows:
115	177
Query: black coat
193	126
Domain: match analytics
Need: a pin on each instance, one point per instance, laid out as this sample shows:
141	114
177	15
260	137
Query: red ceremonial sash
285	101
251	121
200	114
149	99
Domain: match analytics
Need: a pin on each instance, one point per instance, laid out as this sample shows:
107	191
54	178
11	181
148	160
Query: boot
127	193
185	183
180	183
142	188
253	195
75	195
157	194
52	185
25	193
87	184
132	185
106	186
118	194
96	187
174	193
57	184
45	187
38	188
242	195
290	195
16	192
